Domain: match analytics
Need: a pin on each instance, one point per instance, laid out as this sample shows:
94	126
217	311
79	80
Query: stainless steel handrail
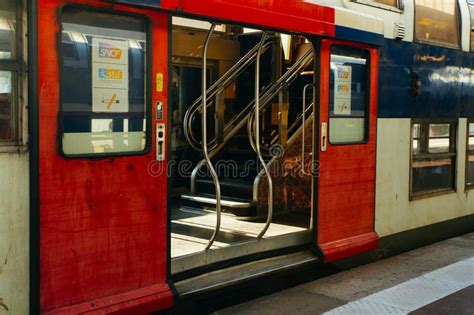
243	117
303	124
216	88
215	179
285	80
257	142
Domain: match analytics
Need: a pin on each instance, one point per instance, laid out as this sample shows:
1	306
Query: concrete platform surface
436	279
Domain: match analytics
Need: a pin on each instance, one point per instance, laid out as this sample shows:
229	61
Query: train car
154	152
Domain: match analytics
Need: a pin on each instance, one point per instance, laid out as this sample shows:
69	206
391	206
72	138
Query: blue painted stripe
446	85
355	35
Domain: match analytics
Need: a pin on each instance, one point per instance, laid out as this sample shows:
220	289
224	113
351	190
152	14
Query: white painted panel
14	233
359	21
394	211
388	17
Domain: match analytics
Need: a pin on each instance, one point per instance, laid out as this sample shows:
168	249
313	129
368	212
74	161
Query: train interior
284	139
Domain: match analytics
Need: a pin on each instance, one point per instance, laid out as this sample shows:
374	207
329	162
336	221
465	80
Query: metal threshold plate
233	275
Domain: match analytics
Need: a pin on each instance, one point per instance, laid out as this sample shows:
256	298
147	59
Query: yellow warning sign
159	82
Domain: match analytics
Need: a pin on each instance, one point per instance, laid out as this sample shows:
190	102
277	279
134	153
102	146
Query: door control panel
159	110
324	136
160	142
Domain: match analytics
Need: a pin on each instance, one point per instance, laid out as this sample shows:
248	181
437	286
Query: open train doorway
242	167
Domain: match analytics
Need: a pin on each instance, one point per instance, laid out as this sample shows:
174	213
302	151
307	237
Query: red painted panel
297	16
103	220
142	301
346	194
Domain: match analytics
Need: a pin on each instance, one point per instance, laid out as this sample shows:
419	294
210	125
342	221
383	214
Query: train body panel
395	212
14	233
391	143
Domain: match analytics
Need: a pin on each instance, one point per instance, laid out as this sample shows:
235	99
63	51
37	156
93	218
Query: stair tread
237	183
225	201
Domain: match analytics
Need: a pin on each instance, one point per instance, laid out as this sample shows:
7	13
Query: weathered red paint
295	16
103	221
346	192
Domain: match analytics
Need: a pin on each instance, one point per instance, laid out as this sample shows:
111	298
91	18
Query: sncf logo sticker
109	51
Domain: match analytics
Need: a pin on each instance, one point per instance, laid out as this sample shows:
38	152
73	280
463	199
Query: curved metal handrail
303	124
257	143
216	88
243	117
208	162
285	80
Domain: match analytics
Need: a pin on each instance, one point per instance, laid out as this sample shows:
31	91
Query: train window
380	3
106	113
392	3
10	66
436	22
433	157
470	156
348	103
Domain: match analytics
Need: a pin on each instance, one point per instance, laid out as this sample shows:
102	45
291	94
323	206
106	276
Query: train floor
436	279
191	229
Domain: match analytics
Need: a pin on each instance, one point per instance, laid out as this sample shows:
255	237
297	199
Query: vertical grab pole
303	135
257	137
205	152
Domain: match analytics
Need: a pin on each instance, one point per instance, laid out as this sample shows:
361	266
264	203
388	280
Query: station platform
435	279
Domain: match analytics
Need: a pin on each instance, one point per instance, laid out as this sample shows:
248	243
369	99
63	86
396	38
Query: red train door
347	148
102	131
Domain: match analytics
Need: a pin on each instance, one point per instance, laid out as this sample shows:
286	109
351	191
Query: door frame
204	261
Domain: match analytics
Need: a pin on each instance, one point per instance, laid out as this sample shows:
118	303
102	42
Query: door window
348	103
103	82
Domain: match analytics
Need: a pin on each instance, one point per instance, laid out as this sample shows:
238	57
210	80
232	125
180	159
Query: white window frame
20	84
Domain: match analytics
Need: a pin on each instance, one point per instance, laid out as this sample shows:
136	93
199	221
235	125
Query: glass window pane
436	22
416	147
471	129
107	54
471	143
7	112
392	3
416	131
438	145
470	170
348	100
432	174
472	40
439	130
471	9
8	17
